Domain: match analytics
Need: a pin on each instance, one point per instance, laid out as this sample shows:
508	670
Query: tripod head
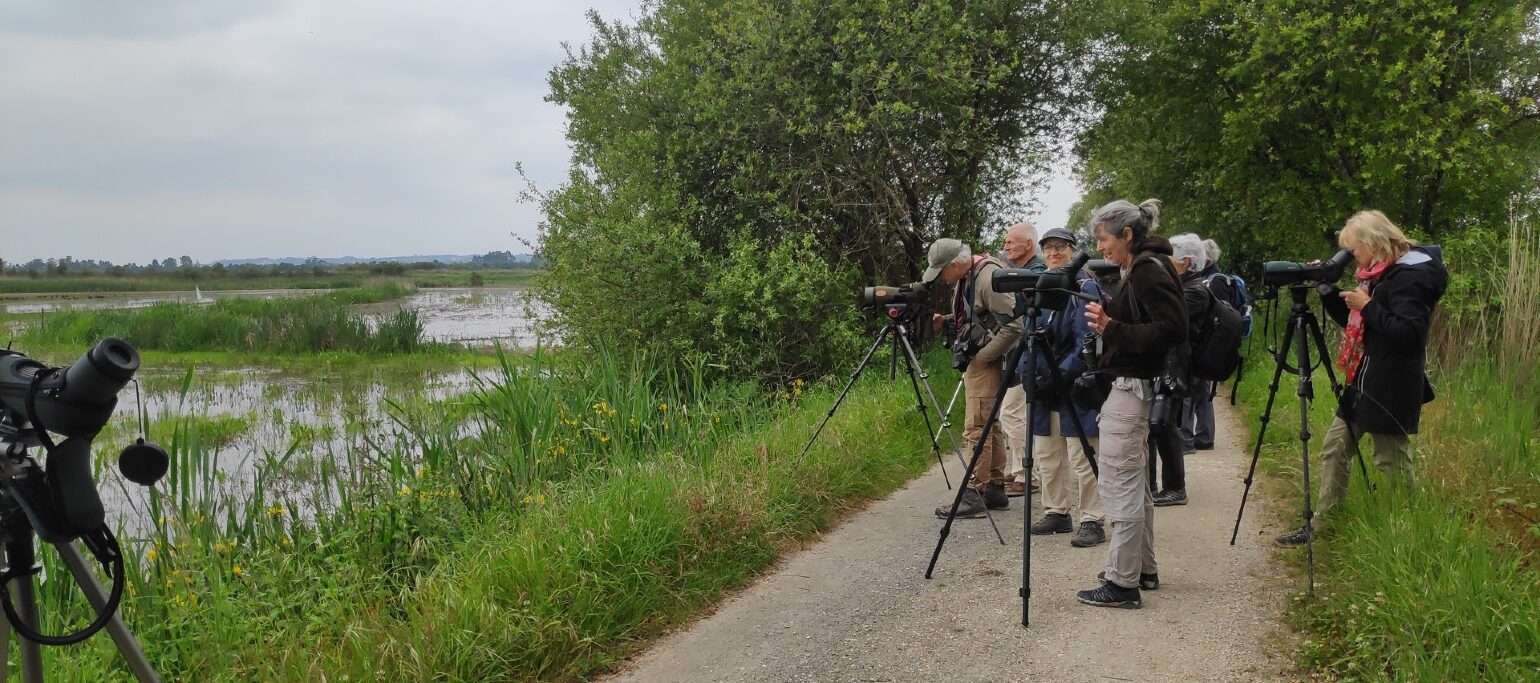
1038	290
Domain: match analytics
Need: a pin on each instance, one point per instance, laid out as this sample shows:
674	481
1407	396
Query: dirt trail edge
857	607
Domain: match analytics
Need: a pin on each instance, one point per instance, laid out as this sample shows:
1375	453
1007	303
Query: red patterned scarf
1351	355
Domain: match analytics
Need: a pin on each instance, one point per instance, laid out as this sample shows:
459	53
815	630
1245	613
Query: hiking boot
1171	497
1293	539
1015	489
1090	534
1052	523
971	507
994	496
1149	582
1110	594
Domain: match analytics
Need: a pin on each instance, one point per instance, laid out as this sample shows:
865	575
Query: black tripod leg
1267	414
1026	523
1336	390
919	403
978	450
881	336
1306	393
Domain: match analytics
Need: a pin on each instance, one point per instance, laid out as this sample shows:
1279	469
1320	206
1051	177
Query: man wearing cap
988	330
1057	424
1020	252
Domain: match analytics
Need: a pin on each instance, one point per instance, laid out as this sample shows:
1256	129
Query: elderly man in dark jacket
1383	353
1057	425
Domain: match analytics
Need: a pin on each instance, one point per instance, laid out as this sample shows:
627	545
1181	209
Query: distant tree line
185	267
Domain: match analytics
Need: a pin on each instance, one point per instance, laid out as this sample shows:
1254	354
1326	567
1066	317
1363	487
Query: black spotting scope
1049	289
75	402
1284	273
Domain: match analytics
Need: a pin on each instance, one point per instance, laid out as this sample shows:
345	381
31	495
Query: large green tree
741	167
1267	122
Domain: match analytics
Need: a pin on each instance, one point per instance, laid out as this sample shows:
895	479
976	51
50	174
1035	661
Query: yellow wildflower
275	511
151	554
406	490
238	571
662	407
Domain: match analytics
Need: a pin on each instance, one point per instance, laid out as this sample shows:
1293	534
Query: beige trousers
1124	485
1067	476
981	381
1392	456
1013	425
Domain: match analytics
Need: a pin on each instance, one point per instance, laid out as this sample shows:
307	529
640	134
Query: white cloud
362	128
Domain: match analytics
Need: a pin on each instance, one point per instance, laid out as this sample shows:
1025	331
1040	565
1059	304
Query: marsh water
285	427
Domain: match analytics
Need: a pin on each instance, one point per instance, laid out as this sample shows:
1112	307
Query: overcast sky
247	128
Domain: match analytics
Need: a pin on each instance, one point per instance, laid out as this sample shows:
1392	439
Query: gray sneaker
971	507
1089	534
1052	523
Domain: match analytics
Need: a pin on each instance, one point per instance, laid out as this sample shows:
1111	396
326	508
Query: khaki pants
1124	483
981	381
1392	455
1014	429
1067	476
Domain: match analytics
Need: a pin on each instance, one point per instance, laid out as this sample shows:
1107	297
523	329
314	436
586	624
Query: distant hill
352	260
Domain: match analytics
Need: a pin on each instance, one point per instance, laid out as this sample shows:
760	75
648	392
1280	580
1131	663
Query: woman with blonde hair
1383	353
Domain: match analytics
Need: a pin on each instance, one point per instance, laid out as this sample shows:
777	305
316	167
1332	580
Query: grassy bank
1440	583
324	322
542	527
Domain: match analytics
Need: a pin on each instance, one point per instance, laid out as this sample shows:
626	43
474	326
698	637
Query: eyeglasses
1056	245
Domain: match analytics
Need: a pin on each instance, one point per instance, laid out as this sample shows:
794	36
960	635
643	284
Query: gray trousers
1124	483
1198	416
1392	455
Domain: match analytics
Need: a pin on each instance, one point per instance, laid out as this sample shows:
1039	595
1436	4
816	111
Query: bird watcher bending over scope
1384	348
987	328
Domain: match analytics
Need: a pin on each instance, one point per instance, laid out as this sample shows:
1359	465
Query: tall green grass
542	526
284	325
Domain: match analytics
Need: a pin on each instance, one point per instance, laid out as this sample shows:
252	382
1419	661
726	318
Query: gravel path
856	606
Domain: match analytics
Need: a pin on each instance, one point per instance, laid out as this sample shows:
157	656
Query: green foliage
1265	123
865	129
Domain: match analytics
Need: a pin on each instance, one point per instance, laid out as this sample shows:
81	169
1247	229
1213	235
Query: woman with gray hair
1139	327
1189	258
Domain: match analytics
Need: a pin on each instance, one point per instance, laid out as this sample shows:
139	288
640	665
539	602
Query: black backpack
1217	350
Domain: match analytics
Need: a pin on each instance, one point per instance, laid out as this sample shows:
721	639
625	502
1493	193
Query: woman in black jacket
1138	327
1384	354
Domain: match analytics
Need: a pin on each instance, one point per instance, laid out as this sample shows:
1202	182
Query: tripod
17	535
896	332
1029	347
1300	330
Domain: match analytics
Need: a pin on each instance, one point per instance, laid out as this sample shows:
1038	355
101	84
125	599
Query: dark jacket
1386	396
1148	315
1065	328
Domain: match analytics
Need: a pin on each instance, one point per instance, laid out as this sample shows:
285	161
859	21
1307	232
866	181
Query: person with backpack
1384	349
1198	408
1140	327
987	329
1189	259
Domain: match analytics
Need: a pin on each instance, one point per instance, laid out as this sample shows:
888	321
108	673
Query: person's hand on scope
937	321
1096	317
1355	299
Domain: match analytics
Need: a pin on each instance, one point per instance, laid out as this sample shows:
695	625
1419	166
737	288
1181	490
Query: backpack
1217	350
1240	299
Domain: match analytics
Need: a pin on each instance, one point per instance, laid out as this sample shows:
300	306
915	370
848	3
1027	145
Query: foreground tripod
896	332
17	535
1028	349
1301	329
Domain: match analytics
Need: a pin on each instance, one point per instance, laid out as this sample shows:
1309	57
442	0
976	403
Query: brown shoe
1016	489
